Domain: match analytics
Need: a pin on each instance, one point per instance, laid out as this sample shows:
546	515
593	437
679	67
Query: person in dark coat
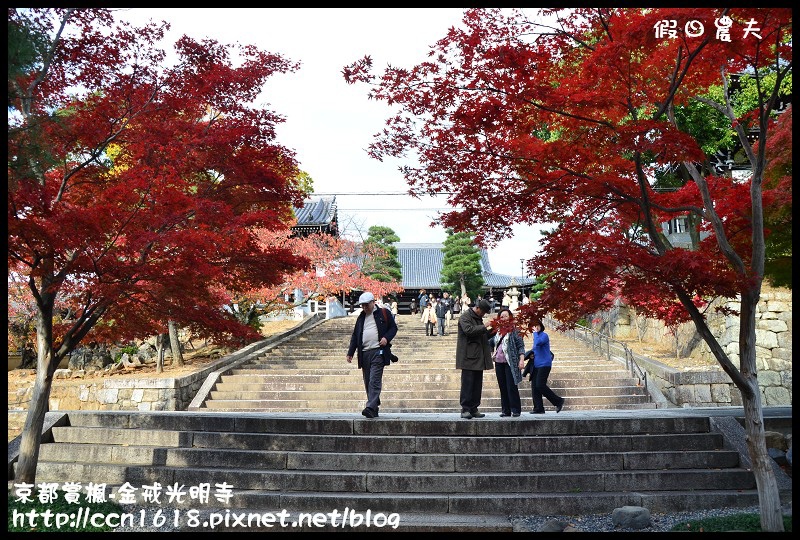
473	357
422	299
442	308
372	338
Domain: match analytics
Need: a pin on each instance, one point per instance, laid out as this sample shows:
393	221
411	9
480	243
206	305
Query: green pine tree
538	287
382	265
461	268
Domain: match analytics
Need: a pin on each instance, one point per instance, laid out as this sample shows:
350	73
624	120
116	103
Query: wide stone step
405	481
409	404
412	385
392	377
386	462
388	396
417	362
397	368
419	354
669	421
435	408
129	444
497	504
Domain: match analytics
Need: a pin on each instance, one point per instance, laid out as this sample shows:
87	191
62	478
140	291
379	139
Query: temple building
421	263
318	214
422	269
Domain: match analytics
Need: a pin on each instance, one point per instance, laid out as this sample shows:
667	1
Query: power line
399	209
389	193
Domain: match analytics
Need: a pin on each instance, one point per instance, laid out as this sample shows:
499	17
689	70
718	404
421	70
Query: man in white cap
372	337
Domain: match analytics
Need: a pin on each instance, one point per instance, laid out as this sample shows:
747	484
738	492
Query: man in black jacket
473	357
443	307
372	337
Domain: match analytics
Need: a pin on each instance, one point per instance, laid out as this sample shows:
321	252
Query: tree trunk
39	404
746	380
175	345
769	498
677	345
694	222
768	493
160	344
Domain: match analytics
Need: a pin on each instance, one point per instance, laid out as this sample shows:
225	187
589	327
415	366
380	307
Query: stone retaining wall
116	394
129	394
713	386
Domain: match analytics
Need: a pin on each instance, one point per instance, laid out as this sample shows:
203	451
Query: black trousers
471	389
539	388
372	372
509	392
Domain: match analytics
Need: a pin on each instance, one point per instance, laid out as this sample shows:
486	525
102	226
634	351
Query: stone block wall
714	387
69	393
116	394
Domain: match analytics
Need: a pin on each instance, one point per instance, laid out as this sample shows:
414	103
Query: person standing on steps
450	311
442	309
542	363
429	319
372	338
473	357
509	360
422	299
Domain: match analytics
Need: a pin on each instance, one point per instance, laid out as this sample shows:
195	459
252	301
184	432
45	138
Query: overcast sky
329	123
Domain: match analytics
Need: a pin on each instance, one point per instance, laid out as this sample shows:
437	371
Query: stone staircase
284	431
309	374
434	471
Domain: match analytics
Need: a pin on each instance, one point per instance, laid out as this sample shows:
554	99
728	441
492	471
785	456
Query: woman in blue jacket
542	363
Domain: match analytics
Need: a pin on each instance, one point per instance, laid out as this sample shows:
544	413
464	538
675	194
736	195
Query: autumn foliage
569	117
566	118
135	188
335	266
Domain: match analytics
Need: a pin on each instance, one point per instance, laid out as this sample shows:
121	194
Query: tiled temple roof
422	268
317	214
421	263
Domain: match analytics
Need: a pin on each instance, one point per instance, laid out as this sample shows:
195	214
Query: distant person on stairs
442	308
372	338
422	299
450	310
473	357
542	364
429	319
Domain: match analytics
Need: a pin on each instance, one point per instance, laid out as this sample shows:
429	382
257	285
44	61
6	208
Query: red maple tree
334	268
135	187
566	118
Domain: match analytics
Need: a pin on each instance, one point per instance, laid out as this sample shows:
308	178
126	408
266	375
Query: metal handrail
595	340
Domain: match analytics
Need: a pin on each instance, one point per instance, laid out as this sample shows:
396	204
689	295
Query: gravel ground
587	523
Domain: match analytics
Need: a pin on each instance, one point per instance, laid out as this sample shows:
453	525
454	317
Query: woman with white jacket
429	319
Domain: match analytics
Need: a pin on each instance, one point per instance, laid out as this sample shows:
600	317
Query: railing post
644	378
628	359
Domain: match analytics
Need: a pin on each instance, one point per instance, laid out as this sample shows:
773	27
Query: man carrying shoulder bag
372	337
